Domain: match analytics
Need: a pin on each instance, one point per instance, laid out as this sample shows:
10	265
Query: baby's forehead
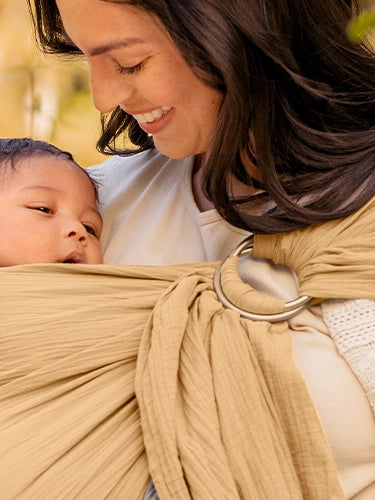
49	162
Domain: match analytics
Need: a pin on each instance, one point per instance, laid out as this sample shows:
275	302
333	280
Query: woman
260	110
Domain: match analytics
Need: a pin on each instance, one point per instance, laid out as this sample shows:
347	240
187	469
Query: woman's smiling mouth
151	116
155	121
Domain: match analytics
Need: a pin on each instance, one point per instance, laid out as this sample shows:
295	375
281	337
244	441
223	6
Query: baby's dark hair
15	149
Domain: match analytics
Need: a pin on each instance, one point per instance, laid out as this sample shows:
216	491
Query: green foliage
361	26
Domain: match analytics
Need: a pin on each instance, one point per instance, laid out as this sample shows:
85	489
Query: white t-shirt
151	218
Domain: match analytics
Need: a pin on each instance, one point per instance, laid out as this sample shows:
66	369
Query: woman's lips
151	116
155	121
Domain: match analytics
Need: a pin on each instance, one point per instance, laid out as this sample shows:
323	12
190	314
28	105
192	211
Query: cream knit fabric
351	324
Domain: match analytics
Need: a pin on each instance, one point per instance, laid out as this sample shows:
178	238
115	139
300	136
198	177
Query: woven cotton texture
110	374
351	325
225	412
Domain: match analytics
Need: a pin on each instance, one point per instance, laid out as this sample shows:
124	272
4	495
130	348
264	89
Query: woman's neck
198	192
235	188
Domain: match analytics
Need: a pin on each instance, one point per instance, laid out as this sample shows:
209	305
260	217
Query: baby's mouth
75	257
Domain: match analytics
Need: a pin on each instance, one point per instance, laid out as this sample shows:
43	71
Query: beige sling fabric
224	410
69	422
332	260
216	393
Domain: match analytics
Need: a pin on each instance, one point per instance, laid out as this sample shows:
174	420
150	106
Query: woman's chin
177	150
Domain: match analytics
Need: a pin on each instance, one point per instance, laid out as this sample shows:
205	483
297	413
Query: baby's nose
77	231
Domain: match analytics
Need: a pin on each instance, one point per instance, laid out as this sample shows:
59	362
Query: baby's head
48	206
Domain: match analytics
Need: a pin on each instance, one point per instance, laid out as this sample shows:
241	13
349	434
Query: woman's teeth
151	116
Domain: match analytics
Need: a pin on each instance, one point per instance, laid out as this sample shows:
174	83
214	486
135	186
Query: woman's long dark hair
299	102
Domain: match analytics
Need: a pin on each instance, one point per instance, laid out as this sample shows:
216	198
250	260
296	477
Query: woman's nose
109	88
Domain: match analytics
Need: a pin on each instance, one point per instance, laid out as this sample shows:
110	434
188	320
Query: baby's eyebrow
41	186
98	214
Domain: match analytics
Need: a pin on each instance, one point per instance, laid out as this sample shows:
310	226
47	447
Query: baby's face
48	214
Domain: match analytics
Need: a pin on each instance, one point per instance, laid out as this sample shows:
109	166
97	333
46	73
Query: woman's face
134	65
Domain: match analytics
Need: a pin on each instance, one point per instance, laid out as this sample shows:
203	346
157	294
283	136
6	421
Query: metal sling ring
292	307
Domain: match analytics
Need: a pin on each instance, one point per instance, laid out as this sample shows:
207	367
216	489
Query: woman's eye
90	230
130	70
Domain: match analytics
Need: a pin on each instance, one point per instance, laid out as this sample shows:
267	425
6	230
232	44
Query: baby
48	206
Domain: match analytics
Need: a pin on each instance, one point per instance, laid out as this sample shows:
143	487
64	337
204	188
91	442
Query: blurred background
47	97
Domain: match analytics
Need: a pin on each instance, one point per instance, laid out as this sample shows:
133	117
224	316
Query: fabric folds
111	373
225	411
69	420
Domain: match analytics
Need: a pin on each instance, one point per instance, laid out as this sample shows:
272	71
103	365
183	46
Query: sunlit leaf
361	26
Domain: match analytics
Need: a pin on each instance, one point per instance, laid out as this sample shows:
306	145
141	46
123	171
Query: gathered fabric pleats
110	374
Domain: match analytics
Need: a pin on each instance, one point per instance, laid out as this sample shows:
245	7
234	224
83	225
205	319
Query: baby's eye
90	229
45	210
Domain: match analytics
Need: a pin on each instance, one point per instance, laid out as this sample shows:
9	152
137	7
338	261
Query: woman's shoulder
133	177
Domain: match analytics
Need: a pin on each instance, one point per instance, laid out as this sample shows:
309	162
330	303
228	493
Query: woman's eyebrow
116	44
